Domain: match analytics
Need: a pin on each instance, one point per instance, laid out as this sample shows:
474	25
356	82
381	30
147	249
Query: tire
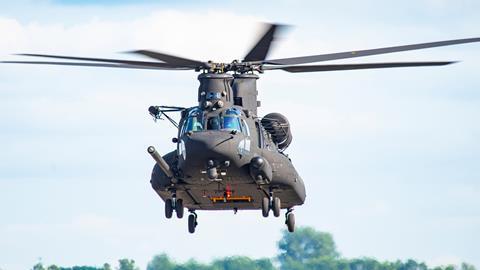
265	206
179	208
276	205
168	208
291	222
192	223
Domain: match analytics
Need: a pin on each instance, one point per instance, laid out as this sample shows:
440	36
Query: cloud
194	35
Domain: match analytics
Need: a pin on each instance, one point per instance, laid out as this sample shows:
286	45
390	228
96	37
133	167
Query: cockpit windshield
195	121
231	119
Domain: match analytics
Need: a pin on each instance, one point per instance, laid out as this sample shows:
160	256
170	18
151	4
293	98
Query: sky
390	158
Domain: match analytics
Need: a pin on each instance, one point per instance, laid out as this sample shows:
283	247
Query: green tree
161	262
38	266
126	264
107	266
53	267
466	266
193	265
242	262
306	247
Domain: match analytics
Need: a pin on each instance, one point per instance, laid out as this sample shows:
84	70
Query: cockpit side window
245	129
231	120
194	122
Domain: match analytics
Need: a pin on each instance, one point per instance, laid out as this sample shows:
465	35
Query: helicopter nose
210	145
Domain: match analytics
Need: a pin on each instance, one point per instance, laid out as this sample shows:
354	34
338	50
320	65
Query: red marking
228	191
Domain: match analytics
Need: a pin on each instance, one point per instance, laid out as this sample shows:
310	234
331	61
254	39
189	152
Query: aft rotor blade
171	59
91	65
260	50
352	54
317	68
118	61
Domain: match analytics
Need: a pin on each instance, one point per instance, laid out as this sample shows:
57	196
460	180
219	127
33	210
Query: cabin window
245	129
259	134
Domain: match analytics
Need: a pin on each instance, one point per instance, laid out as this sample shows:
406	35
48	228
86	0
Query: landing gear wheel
192	223
290	222
276	205
168	208
179	208
265	206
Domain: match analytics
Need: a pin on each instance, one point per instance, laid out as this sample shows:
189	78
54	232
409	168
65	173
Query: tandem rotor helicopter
228	157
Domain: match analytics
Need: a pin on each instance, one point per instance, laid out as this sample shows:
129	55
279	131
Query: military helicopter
227	157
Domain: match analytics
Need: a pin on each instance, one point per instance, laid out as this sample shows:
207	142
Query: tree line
307	248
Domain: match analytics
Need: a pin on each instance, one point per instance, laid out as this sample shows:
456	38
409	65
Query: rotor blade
119	61
352	54
260	50
315	68
125	62
171	59
91	65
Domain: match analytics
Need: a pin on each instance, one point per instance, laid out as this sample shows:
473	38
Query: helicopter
227	157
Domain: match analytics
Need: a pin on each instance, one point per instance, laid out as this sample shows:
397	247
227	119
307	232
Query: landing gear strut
192	221
273	203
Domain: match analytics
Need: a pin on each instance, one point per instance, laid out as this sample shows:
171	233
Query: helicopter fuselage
225	157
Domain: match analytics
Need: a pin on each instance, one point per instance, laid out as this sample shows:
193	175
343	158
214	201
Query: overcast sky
390	158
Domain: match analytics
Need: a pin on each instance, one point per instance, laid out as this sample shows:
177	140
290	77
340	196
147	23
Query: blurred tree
241	262
126	264
161	262
304	247
193	265
38	266
466	266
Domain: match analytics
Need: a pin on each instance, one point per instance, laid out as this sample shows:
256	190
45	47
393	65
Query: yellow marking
231	199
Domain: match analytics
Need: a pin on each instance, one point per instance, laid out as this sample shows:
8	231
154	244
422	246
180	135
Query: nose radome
219	145
211	140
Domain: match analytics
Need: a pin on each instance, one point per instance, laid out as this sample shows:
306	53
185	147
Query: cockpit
228	120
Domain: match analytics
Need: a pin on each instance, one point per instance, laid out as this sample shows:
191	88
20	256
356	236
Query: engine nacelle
279	128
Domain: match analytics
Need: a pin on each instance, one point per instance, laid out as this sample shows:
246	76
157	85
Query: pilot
213	123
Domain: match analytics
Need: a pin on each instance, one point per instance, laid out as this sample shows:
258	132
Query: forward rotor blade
352	54
316	68
91	65
260	50
118	61
171	59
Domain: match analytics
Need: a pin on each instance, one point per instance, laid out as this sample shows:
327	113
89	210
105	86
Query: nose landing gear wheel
276	205
179	208
192	222
265	206
290	221
168	208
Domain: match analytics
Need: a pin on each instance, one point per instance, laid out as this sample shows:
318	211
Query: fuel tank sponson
260	170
